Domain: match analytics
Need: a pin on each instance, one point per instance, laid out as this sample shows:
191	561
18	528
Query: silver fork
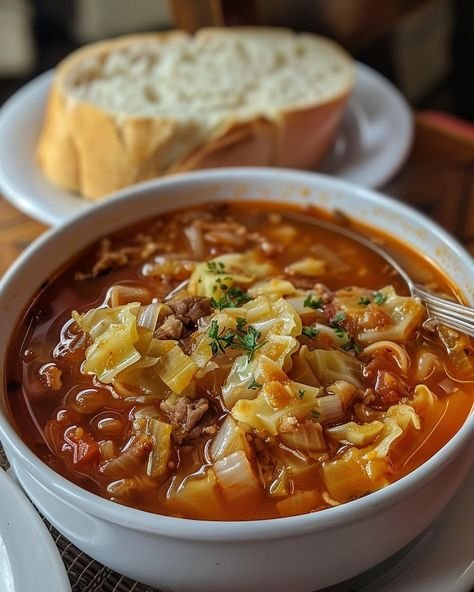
449	313
440	310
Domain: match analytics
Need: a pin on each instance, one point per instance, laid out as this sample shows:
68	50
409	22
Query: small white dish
29	559
372	143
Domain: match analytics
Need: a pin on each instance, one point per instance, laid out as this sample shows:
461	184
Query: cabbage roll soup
226	363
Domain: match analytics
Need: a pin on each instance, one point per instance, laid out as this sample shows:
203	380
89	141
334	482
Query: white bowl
296	553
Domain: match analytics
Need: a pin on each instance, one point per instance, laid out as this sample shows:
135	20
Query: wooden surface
437	178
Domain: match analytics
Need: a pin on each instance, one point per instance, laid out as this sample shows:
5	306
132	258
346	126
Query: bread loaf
143	106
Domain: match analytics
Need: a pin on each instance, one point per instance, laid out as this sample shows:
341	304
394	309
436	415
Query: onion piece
235	475
328	409
148	316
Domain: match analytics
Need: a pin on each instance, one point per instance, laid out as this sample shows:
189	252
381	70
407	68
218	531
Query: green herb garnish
216	267
254	385
248	341
221	340
241	322
365	300
312	302
240	339
379	298
234	297
315	413
338	319
310	332
301	393
352	345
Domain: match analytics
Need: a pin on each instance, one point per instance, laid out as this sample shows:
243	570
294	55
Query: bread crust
92	152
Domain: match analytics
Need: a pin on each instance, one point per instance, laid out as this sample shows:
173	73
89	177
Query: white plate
29	559
373	141
439	560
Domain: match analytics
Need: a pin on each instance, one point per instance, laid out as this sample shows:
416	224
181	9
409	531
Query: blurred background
425	47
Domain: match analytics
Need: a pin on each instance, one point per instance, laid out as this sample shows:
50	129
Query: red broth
338	414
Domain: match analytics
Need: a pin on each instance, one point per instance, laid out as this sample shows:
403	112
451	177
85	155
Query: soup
226	362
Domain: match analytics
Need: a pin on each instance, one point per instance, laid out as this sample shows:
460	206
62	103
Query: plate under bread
372	143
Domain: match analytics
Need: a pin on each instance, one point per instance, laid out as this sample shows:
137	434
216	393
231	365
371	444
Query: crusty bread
143	106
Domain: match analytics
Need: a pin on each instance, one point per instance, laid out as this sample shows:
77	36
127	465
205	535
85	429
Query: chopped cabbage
331	365
114	333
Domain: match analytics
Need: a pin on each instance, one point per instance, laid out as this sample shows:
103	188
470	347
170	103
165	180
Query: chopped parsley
254	385
315	413
352	345
301	393
221	340
234	297
338	319
379	298
365	300
246	340
312	302
310	332
216	267
241	322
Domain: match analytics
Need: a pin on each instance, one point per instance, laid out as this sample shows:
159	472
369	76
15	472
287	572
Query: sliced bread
143	106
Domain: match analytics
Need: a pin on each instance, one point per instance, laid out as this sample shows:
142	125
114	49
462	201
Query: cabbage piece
278	323
160	434
275	402
301	371
405	312
306	437
328	409
332	365
235	475
396	421
239	381
277	317
240	269
354	433
195	495
279	349
202	353
230	438
273	288
176	369
344	390
300	502
142	376
113	332
346	478
309	266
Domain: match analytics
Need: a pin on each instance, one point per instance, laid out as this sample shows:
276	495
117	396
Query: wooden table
437	178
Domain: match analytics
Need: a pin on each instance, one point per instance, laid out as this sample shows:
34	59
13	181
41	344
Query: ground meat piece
185	417
171	328
110	258
190	309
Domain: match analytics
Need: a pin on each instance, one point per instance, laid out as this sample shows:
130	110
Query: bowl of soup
203	389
